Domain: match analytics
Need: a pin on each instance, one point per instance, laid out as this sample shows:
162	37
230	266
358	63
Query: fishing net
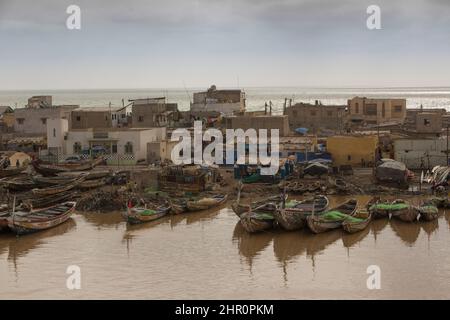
334	215
264	216
389	206
147	212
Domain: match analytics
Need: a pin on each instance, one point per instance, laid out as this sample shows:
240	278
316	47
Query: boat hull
253	225
26	225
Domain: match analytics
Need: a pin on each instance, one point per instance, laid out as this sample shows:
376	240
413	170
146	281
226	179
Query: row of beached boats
314	213
148	211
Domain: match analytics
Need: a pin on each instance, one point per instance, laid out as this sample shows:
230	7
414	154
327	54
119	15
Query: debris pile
101	201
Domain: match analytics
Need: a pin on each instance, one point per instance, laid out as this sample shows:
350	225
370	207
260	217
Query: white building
421	153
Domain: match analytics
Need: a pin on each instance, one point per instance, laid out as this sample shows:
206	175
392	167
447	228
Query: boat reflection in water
19	247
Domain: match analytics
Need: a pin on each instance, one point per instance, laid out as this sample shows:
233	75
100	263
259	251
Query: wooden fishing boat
333	218
91	184
259	220
137	215
57	189
404	211
378	208
358	222
23	222
90	175
4	216
428	212
54	169
178	207
19	184
206	202
12	171
240	208
37	203
53	181
292	216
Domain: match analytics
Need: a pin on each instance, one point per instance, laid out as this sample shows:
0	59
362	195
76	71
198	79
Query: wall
81	119
351	149
315	117
35	119
421	153
385	110
259	122
145	115
56	129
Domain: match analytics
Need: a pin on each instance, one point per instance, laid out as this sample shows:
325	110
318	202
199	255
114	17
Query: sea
256	97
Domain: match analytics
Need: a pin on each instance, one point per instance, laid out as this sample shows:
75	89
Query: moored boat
12	171
54	169
259	220
292	215
378	208
428	212
23	222
358	222
137	215
206	202
404	211
58	188
91	184
38	203
331	219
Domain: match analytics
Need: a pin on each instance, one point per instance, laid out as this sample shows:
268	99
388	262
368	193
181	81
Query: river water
207	255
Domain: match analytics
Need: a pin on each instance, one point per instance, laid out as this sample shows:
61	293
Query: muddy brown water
208	255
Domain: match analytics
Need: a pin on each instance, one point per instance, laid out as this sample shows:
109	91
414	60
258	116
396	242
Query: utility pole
447	144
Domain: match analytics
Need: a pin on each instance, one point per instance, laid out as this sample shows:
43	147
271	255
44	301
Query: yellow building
352	150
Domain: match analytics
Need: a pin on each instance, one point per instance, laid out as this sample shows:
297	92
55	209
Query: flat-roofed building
362	110
226	102
316	116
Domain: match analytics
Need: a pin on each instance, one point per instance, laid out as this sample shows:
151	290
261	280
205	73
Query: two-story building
226	102
316	116
373	111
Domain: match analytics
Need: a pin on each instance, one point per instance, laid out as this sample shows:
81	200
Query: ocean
256	97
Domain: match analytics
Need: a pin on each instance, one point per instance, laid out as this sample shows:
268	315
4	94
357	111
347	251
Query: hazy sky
194	43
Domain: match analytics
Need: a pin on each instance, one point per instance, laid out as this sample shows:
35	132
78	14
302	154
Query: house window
398	108
20	120
114	148
383	110
44	121
426	122
330	113
349	158
78	118
77	147
54	132
357	108
128	148
370	109
123	115
141	118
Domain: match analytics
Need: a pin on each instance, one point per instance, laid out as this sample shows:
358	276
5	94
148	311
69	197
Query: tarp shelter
392	171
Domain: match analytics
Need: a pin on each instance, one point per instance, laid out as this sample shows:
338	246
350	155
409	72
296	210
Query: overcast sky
193	43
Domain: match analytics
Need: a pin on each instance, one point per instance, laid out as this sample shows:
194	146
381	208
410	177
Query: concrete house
98	117
223	101
421	153
362	110
259	122
352	150
6	119
316	116
151	112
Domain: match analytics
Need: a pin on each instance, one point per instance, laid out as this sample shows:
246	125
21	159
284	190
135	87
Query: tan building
362	110
224	101
151	112
259	122
40	102
316	116
6	119
98	117
425	120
